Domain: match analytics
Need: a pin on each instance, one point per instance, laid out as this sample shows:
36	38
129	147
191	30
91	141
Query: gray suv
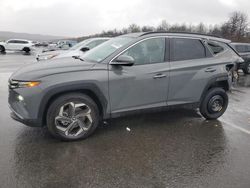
127	74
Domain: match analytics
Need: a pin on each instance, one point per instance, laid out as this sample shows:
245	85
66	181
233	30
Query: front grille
13	84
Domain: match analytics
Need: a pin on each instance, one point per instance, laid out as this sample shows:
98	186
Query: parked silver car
77	50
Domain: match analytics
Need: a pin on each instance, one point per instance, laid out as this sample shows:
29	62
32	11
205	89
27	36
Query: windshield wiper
77	57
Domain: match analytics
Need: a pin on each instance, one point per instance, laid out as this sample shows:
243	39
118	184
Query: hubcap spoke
82	125
69	128
216	103
89	118
63	119
84	113
72	109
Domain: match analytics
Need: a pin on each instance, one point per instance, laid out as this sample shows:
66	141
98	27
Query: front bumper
14	115
20	112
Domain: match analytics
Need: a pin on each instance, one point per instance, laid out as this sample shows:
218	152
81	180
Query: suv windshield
80	44
104	50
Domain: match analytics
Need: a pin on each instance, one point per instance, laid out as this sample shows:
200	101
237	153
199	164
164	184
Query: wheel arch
88	89
26	47
221	82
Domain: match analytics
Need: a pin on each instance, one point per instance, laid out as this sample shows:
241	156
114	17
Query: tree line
236	28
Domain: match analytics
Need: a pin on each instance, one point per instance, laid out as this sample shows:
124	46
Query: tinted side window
186	49
21	42
148	51
12	41
241	48
248	48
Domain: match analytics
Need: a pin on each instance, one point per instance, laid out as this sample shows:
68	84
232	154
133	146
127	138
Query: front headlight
14	84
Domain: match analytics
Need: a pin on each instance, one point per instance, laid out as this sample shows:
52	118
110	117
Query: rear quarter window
215	47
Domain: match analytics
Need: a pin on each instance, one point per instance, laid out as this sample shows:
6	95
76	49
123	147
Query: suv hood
38	70
69	53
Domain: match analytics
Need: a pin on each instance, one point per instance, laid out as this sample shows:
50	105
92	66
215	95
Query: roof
21	40
240	43
182	34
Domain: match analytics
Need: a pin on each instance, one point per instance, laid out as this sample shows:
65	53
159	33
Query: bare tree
236	28
133	28
147	28
164	26
201	28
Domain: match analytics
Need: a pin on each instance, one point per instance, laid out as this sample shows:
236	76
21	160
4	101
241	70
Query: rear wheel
72	117
246	69
26	50
214	104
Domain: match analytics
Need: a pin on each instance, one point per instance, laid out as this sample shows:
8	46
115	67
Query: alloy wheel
74	119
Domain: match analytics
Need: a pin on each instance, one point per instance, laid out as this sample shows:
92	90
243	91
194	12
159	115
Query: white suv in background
16	45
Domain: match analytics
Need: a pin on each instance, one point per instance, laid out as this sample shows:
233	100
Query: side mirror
123	60
85	49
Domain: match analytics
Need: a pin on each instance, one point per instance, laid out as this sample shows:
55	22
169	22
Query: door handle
210	70
160	76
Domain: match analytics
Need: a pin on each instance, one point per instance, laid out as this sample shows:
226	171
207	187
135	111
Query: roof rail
180	32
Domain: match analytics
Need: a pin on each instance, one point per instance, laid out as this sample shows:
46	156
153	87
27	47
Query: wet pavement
177	148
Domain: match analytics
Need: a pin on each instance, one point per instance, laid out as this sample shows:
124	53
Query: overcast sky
83	17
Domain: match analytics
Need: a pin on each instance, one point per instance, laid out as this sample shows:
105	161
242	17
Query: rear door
191	66
21	44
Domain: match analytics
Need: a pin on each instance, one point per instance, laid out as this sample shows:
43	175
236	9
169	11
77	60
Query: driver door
144	84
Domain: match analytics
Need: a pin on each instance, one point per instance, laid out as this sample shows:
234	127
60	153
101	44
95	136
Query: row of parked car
72	93
75	51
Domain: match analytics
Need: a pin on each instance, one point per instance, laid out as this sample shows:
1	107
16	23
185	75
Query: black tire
214	104
246	69
26	50
61	102
2	49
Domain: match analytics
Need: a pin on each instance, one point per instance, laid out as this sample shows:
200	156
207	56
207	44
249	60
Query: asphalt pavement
177	148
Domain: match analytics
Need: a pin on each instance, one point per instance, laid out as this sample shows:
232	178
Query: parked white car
16	45
77	50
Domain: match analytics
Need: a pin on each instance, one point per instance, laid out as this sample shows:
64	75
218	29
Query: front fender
56	90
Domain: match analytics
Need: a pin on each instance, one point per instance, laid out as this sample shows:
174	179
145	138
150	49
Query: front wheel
72	117
214	104
2	49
